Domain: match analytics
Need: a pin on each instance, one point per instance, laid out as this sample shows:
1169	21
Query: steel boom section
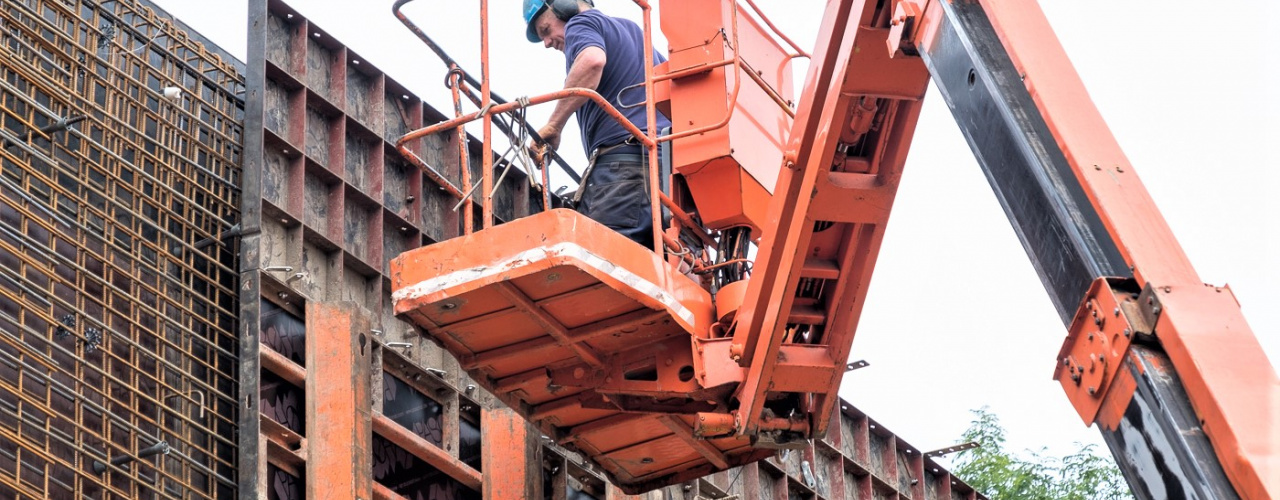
1095	236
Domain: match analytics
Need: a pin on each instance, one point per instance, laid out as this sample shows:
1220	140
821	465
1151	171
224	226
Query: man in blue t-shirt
606	54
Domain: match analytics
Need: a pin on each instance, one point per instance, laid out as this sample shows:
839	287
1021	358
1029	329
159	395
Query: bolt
409	199
1127	333
1093	391
283	296
1116	312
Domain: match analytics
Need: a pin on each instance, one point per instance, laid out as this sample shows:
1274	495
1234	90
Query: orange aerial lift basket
586	334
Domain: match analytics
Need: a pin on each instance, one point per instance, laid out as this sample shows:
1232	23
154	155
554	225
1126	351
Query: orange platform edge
542	310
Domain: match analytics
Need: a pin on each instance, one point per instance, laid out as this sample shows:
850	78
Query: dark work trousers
617	195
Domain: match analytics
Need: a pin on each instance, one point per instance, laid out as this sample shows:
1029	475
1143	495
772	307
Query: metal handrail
466	76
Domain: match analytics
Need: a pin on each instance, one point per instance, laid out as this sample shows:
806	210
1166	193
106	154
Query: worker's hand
551	135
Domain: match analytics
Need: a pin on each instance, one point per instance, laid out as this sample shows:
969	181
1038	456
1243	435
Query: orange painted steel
468	212
427	452
486	160
338	403
1230	382
799	51
581	331
1231	385
402	144
1095	348
726	150
381	492
584	333
850	239
506	436
278	364
376	423
685	220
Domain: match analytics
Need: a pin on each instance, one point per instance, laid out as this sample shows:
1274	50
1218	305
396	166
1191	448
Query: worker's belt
623	151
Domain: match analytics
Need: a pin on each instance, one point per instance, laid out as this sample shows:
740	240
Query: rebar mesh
117	294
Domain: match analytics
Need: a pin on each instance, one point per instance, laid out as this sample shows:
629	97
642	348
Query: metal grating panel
117	314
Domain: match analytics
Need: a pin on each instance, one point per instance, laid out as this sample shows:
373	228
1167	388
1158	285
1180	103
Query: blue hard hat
533	9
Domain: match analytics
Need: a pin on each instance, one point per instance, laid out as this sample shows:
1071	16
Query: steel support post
338	404
509	454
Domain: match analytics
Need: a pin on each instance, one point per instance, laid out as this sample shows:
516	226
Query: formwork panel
117	286
337	203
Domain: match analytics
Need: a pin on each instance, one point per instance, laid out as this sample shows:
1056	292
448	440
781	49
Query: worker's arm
586	72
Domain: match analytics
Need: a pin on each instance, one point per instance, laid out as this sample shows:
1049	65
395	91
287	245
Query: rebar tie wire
517	140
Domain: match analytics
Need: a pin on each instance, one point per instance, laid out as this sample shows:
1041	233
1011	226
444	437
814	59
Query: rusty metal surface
117	308
857	459
327	204
131	222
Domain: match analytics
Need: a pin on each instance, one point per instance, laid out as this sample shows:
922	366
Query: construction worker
606	54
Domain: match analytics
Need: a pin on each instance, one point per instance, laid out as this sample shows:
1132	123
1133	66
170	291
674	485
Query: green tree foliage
1001	475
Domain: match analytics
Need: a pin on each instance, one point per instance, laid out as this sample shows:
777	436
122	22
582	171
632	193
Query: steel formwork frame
130	221
117	315
328	203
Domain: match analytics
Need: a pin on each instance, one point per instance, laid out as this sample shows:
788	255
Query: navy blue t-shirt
623	44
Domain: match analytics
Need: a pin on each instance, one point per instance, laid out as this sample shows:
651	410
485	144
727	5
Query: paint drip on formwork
121	145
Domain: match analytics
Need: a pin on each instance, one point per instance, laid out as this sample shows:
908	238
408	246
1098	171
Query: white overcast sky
956	318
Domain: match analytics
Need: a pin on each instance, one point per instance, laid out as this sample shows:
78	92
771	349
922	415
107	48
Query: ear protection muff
565	9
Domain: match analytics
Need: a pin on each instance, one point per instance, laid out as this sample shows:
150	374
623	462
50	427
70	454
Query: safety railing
490	106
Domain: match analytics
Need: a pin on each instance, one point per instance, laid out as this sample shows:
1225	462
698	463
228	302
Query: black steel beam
1160	446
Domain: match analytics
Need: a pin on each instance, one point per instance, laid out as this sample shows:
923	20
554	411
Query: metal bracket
951	449
1096	344
902	28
